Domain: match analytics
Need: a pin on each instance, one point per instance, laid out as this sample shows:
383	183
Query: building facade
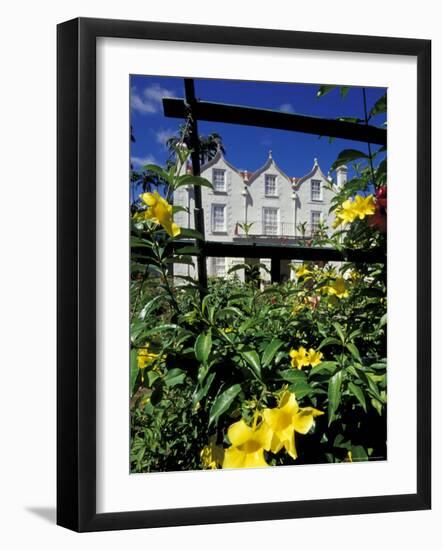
262	206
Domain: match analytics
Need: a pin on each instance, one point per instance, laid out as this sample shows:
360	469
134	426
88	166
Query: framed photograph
243	308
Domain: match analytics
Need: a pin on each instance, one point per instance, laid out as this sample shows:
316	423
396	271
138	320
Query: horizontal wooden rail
274	251
265	118
287	252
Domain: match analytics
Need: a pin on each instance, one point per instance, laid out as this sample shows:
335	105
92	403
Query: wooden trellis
194	110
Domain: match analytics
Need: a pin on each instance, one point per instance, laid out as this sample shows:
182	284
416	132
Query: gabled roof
269	163
219	155
315	170
249	177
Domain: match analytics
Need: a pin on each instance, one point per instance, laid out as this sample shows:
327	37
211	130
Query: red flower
381	197
379	218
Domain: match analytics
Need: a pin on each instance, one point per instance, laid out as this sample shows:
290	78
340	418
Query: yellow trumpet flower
285	420
160	211
248	445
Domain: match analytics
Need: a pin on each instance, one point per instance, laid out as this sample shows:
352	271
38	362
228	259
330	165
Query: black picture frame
76	272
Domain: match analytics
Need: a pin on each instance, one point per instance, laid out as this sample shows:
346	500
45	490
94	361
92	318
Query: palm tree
208	145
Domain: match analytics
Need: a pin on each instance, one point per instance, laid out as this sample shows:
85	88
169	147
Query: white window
270	185
316	190
219	179
270	221
315	220
219	267
218	218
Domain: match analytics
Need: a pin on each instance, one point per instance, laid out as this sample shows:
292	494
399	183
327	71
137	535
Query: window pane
316	190
218	218
270	184
315	219
219	180
270	221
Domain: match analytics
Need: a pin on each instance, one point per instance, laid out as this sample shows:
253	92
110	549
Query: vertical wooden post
189	87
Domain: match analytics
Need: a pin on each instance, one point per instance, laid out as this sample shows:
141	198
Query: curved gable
270	163
219	156
315	171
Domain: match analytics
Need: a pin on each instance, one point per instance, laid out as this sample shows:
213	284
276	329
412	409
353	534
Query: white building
276	207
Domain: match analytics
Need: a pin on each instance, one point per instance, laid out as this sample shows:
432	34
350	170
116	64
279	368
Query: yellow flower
146	357
302	271
227	330
314	357
248	444
353	275
364	206
285	420
299	357
299	307
339	288
351	209
302	358
212	455
160	211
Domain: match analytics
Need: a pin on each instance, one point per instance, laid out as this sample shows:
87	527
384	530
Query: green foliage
198	365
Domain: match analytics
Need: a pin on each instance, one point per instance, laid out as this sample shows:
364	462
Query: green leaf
202	391
348	155
270	351
343	90
187	233
157	170
383	320
252	359
376	366
334	395
379	107
134	370
324	366
203	346
223	402
237	267
161	328
174	377
339	331
359	394
192	250
293	375
178	208
358	453
324	89
328	342
152	377
229	310
193	180
150	306
301	389
354	351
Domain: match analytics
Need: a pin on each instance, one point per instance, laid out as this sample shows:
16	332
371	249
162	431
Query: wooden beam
189	87
286	252
265	118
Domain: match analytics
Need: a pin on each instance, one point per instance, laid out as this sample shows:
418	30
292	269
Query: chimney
341	175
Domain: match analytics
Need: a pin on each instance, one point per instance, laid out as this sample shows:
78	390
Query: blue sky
246	147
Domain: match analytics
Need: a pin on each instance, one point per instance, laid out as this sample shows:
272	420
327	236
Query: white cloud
163	135
287	108
144	107
137	162
150	100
